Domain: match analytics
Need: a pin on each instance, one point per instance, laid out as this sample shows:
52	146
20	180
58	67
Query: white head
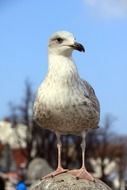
63	43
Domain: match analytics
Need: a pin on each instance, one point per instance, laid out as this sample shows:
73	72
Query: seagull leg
59	147
59	169
82	172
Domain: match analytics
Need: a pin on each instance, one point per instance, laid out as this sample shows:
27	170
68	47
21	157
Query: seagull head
63	43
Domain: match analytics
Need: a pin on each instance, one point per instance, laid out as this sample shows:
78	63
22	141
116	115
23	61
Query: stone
38	168
68	182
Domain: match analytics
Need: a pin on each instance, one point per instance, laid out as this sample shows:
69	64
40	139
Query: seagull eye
59	40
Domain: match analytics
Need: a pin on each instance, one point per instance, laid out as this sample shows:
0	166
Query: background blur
25	27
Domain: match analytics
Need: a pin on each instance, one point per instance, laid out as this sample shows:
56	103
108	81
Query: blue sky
26	25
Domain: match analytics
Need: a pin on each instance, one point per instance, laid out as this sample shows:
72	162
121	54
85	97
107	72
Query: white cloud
109	8
91	2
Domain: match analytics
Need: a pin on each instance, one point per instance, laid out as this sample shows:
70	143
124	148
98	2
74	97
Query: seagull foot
58	171
82	174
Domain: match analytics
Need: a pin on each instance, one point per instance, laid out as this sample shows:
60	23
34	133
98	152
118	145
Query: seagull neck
62	67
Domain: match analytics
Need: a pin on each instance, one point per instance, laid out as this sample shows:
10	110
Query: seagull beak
78	46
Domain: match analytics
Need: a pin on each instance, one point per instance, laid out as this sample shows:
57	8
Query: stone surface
69	182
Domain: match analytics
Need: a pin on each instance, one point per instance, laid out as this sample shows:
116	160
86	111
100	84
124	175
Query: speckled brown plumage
71	118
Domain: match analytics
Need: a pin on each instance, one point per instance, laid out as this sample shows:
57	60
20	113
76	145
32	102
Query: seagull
66	104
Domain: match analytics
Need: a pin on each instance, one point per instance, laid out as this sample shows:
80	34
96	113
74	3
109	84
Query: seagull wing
92	95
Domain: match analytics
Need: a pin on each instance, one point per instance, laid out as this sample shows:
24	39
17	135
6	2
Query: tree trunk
69	182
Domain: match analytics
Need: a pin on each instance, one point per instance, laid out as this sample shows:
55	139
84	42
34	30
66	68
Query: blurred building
12	146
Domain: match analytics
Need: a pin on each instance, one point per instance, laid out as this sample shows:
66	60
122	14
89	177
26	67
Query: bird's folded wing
92	95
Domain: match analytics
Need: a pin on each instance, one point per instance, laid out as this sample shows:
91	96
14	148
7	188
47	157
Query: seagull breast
64	102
